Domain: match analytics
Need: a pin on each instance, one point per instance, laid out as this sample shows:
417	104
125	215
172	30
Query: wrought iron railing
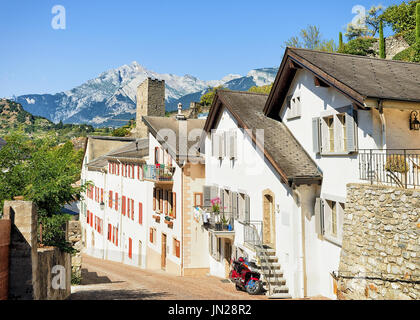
250	236
395	167
223	221
158	172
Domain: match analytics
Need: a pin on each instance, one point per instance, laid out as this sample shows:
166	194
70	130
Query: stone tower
150	102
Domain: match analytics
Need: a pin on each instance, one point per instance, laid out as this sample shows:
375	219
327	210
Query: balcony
160	174
221	224
392	167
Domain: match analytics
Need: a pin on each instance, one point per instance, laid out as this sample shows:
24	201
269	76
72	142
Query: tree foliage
41	171
263	89
360	47
208	97
311	38
120	132
401	17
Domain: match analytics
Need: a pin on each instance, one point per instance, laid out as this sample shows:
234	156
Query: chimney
180	116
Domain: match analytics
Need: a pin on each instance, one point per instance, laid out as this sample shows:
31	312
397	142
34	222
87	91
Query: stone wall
380	257
75	237
54	284
5	227
23	266
393	45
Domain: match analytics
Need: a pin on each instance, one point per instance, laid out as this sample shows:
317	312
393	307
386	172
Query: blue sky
207	39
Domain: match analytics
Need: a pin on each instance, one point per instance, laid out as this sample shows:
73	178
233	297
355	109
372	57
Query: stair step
274	282
274	266
280	289
279	296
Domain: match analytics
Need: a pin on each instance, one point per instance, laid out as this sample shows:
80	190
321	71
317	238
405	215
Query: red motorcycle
244	278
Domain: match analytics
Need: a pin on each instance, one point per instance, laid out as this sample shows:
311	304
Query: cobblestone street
106	280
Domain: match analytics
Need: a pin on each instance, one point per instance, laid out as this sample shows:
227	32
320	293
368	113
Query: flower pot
219	227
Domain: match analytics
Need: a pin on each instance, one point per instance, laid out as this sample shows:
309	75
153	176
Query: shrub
407	55
396	163
53	232
360	47
120	132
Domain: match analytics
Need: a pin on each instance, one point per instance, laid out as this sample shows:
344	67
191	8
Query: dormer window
294	109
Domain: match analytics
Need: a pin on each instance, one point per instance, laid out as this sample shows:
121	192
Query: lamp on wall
102	205
414	122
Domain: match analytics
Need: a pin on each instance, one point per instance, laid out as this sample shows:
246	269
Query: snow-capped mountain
112	95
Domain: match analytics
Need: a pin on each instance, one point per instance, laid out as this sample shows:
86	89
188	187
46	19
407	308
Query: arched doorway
269	228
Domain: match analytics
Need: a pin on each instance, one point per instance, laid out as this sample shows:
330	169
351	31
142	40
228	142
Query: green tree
401	17
263	89
382	53
311	38
340	43
360	47
207	98
373	19
120	132
416	57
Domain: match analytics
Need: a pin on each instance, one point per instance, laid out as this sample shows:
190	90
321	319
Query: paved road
106	280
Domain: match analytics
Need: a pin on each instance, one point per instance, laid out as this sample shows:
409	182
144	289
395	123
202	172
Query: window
110	199
154	199
215	246
116	201
293	107
198	199
177	248
130	248
160	200
132	209
243	207
329	216
102	195
335	133
128	207
218	144
123	204
232	145
157	155
172	213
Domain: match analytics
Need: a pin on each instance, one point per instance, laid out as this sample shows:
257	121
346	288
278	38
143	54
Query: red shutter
116	237
140	213
110	199
138	172
128	207
132	209
151	235
116	201
118	169
130	248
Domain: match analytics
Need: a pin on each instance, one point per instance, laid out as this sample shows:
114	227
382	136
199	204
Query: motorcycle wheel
254	287
238	287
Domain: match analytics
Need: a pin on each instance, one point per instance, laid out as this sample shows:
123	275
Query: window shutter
214	192
289	106
130	248
132	209
315	135
207	196
140	213
116	201
222	200
160	200
151	235
247	208
128	207
154	199
325	142
338	135
351	130
232	145
165	200
110	199
340	221
174	205
298	107
234	204
319	213
123	205
327	218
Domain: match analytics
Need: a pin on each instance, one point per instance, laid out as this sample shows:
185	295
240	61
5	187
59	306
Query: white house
330	119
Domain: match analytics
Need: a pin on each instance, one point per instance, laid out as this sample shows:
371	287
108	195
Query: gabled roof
175	148
357	77
280	147
133	151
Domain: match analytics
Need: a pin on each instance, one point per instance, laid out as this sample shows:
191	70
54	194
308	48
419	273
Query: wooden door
163	254
268	221
227	256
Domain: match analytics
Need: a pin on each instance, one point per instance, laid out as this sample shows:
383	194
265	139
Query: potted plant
215	207
225	222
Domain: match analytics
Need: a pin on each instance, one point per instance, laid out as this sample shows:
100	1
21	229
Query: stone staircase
272	273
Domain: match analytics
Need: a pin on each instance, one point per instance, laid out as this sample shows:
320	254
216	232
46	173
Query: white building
289	182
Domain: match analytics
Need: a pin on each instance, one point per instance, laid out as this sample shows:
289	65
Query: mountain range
112	95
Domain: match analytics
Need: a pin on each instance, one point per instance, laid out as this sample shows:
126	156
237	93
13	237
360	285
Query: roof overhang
291	63
215	113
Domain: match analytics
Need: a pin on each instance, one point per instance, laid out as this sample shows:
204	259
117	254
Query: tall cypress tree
416	57
341	44
382	54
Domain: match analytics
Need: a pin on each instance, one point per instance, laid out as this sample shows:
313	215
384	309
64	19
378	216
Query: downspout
383	123
302	257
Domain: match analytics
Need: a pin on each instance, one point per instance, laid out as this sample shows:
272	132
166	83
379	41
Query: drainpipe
302	253
383	123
